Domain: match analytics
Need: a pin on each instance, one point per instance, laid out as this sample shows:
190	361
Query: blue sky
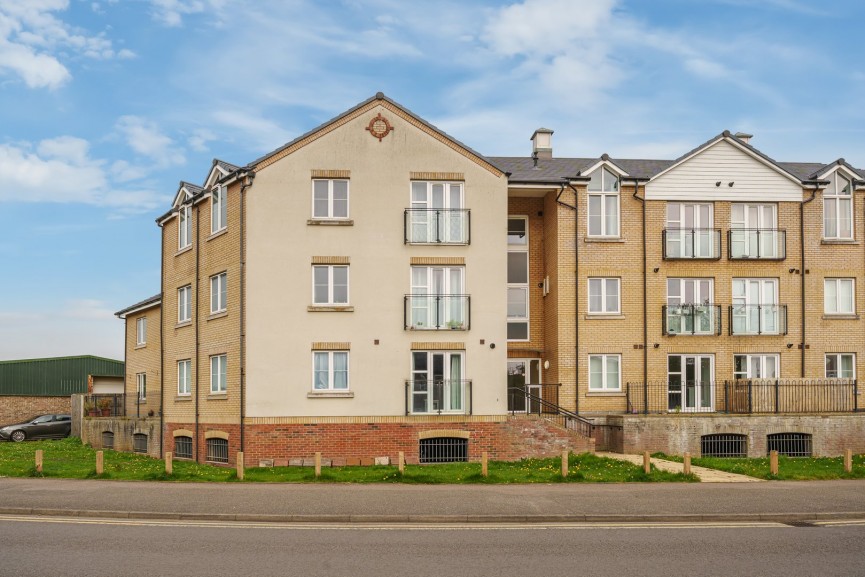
105	106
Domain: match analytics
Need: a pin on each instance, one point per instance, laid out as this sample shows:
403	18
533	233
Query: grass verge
71	460
789	468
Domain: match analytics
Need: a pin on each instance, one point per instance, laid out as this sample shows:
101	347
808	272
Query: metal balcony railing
439	396
691	319
757	243
431	312
691	243
437	226
758	319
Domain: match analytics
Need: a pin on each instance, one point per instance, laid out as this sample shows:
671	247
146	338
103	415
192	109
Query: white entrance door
754	233
437	382
524	376
689	230
690	383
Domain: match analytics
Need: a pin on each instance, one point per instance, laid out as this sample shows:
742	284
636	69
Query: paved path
706	475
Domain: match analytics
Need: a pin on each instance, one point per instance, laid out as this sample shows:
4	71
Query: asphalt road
33	546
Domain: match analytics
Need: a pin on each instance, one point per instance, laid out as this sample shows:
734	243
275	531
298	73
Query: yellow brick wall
143	359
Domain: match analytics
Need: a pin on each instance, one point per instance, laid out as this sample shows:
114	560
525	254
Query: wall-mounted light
789	345
546	365
656	269
657	345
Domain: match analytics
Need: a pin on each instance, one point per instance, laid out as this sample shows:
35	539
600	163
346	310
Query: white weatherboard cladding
695	178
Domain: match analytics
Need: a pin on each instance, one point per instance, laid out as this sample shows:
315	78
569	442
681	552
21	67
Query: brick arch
216	435
453	433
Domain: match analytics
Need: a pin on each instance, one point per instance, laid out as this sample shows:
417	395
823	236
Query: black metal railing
757	243
744	396
691	319
725	445
538	405
437	226
432	312
104	405
443	450
691	243
758	319
519	402
438	396
217	450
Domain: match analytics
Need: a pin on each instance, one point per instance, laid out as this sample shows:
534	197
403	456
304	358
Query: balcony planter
90	409
105	407
455	325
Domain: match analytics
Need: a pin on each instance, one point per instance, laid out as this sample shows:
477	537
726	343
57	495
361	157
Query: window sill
603	239
601	317
218	315
183	398
330	222
840	317
183	250
218	233
329	309
217	396
839	241
330	395
605	394
141	346
183	324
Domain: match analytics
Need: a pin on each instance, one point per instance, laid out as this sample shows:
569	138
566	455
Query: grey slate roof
522	168
148	301
225	165
193	188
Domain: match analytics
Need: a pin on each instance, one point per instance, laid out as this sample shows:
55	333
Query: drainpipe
197	250
162	346
645	280
248	177
802	271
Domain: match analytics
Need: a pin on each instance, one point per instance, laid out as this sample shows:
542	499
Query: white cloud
171	12
199	139
145	138
32	38
61	170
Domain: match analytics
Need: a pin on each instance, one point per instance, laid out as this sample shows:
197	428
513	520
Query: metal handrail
442	319
780	237
691	311
778	311
692	233
440	226
572	421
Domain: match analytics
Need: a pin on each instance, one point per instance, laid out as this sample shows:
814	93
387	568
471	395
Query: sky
106	105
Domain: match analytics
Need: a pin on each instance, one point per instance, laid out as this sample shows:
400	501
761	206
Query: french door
524	376
689	306
437	299
689	230
754	231
690	383
437	382
755	307
437	214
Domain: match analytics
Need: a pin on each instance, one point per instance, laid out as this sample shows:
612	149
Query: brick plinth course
14	409
830	434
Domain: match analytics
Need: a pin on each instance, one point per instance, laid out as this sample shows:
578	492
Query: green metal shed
54	377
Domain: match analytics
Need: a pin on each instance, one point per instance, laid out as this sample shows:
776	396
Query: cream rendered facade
283	241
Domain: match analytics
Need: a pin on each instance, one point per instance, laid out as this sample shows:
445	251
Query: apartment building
376	286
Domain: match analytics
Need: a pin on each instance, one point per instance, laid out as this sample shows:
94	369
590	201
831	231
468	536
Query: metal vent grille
444	450
724	445
790	444
139	443
183	447
107	440
217	450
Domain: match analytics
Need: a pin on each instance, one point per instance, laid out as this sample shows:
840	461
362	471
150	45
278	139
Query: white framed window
141	386
603	198
688	232
141	331
330	370
437	213
838	296
691	382
689	307
518	278
330	285
755	309
838	208
184	377
218	293
437	298
438	382
756	366
218	209
329	199
604	296
840	366
184	227
218	367
184	304
754	231
605	372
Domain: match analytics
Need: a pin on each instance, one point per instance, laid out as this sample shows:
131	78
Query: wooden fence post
38	460
240	466
848	460
773	462
564	463
401	462
317	465
686	464
484	469
169	463
99	463
647	462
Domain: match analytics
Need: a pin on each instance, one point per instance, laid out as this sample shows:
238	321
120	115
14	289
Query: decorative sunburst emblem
379	127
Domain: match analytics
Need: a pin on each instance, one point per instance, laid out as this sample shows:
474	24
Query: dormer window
218	209
603	203
184	228
838	208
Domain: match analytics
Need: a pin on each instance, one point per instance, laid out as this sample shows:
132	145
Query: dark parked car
41	427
